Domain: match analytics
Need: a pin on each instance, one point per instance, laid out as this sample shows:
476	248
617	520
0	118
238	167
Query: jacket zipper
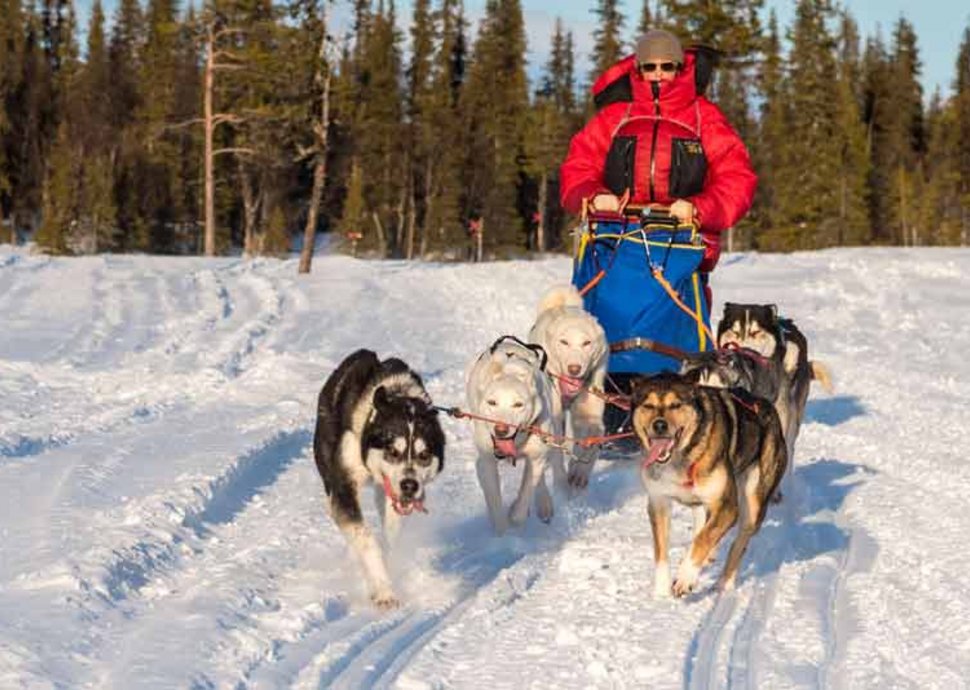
655	88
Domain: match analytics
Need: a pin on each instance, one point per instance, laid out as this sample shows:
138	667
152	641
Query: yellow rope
665	284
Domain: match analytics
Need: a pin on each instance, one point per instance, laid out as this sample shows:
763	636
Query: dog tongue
504	447
569	387
657	449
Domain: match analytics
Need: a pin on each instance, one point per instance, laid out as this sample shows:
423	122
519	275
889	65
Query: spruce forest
250	125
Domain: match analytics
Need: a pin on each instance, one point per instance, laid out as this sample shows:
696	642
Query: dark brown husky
720	451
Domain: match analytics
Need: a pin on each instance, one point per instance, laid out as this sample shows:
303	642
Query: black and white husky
758	328
375	423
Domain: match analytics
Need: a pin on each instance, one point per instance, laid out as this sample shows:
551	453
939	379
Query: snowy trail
162	523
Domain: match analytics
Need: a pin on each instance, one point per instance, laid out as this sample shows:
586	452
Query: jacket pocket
688	167
620	161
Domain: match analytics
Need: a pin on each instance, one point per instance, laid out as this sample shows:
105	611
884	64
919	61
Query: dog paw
682	588
518	514
500	524
687	576
544	508
385	601
726	584
579	474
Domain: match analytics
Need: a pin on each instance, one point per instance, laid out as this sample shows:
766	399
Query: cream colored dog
576	346
506	384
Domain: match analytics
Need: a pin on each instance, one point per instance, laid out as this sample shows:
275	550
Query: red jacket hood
674	95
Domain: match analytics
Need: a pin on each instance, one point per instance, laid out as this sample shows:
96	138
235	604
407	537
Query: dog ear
638	390
692	375
774	311
381	399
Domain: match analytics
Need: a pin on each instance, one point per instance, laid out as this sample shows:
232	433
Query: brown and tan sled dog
721	451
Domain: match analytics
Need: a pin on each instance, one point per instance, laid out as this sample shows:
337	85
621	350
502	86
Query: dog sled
638	274
637	271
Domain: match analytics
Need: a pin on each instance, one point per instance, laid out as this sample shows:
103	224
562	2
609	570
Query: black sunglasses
654	66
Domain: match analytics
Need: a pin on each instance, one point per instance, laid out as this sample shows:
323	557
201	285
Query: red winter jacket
632	140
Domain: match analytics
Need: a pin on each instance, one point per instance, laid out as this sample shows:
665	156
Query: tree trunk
411	220
210	204
428	207
479	244
250	209
381	236
904	229
322	136
543	202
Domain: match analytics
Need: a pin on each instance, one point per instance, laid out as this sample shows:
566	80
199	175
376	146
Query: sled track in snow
381	650
858	556
131	567
735	632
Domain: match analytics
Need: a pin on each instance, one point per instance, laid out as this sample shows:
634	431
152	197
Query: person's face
658	69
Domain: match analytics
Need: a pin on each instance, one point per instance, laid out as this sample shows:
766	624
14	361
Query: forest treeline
248	124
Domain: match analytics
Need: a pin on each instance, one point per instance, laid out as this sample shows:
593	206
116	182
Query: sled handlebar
651	214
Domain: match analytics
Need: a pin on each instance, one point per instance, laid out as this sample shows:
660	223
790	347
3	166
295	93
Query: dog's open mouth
570	386
503	441
660	448
504	447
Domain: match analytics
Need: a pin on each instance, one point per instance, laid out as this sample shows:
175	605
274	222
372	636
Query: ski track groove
223	498
715	634
380	659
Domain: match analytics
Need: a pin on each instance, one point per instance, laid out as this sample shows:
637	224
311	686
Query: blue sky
939	25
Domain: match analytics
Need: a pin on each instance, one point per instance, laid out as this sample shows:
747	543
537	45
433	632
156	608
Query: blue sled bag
640	280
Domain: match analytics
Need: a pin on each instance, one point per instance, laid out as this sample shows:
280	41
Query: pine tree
961	98
442	227
62	185
496	110
877	115
96	210
851	139
11	56
806	194
157	160
552	126
125	54
646	19
607	37
773	135
30	126
421	138
939	204
906	136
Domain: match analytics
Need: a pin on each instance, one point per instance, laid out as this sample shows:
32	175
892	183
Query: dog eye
424	457
394	452
674	406
587	343
491	403
649	406
563	341
518	404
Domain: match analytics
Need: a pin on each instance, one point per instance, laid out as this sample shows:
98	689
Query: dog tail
560	296
821	373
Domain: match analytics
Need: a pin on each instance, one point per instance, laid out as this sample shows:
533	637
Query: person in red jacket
655	136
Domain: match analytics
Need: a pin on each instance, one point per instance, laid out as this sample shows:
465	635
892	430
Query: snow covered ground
162	524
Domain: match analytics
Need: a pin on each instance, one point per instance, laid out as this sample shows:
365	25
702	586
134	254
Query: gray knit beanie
659	45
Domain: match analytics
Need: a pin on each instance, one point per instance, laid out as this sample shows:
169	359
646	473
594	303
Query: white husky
506	383
578	352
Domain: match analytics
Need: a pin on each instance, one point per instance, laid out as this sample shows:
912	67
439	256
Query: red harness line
552	439
621	401
399	507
